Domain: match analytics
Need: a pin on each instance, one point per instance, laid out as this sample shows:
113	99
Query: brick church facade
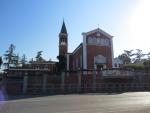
94	52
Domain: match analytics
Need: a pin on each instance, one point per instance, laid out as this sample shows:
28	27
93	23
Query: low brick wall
76	82
13	85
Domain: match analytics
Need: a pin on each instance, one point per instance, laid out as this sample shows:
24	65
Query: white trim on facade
84	52
112	52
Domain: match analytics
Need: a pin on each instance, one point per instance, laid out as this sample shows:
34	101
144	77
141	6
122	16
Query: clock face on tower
63	43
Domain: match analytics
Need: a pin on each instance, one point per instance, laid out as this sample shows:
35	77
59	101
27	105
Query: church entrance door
100	66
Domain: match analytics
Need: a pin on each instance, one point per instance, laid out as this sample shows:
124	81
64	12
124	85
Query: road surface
137	102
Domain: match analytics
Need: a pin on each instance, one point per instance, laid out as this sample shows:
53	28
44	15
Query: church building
94	52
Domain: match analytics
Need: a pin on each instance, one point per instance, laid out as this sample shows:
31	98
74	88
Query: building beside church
117	63
94	52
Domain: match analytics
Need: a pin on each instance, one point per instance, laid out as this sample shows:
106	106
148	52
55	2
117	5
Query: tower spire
63	28
63	40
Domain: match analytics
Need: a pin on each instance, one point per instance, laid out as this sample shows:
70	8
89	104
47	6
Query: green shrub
134	66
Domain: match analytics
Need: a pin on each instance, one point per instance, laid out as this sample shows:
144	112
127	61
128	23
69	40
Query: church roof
63	29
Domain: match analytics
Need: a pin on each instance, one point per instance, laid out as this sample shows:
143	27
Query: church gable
97	33
96	37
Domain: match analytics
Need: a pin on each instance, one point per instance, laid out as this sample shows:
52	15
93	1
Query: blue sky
34	25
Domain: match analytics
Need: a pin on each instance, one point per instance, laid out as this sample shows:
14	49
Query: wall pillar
25	84
79	81
94	80
68	62
44	88
63	82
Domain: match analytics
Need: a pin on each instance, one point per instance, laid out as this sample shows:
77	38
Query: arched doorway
100	62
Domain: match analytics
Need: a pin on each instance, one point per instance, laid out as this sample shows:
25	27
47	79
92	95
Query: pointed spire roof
63	29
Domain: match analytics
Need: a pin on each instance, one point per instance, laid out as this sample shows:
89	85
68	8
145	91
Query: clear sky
34	25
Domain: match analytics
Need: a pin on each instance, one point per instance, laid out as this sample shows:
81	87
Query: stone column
25	84
44	89
94	80
63	82
79	81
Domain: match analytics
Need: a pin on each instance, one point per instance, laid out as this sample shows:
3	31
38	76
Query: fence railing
117	73
80	81
99	87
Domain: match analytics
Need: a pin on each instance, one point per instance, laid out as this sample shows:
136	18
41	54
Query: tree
129	53
147	62
16	61
61	65
10	56
125	58
1	62
31	61
139	54
23	60
148	56
39	56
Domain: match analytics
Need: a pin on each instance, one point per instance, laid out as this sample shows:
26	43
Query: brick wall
93	50
77	59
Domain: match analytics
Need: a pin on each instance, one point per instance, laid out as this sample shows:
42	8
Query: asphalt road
137	102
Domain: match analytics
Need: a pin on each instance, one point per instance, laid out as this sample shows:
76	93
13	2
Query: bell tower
63	40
